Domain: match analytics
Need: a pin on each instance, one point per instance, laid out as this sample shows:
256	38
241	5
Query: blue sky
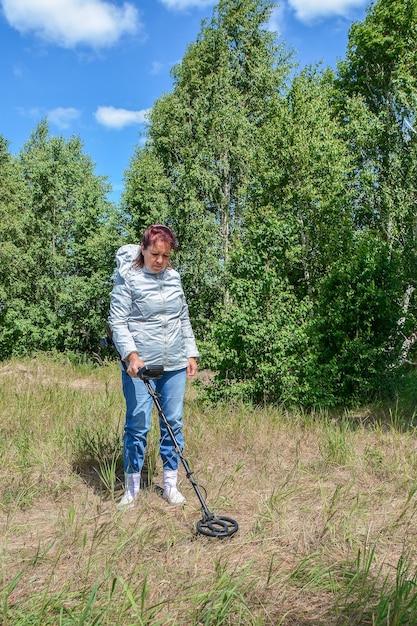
93	68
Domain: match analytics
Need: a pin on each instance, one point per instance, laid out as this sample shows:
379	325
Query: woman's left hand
192	366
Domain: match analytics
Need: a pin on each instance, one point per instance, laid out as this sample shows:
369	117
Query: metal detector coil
217	526
210	525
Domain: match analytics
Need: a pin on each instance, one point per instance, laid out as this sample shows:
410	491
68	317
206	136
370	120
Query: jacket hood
125	257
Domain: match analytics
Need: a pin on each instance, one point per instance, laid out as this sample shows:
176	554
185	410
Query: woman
150	325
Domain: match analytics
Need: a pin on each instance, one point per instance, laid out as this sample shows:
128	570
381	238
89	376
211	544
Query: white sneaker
173	496
126	503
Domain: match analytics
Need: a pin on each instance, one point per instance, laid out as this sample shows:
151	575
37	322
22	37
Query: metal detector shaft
210	525
177	448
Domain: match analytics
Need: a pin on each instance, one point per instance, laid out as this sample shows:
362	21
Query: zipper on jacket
164	319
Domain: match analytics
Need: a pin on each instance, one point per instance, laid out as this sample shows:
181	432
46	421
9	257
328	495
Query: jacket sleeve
120	308
121	302
187	332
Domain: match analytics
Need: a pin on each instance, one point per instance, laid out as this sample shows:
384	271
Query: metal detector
210	525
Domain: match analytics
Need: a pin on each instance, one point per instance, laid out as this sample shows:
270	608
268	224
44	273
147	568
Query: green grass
326	506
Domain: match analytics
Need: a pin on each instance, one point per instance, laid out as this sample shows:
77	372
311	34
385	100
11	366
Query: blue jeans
170	389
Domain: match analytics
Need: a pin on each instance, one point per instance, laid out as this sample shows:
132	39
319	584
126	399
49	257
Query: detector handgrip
150	372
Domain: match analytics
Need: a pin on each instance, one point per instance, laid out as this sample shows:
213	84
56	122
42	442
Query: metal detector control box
150	372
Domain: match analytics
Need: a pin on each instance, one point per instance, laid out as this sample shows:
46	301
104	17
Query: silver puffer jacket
149	314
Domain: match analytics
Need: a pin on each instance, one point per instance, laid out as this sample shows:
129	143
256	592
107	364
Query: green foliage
146	192
260	347
197	163
295	206
59	250
302	174
299	223
381	55
260	336
14	216
293	201
353	335
377	90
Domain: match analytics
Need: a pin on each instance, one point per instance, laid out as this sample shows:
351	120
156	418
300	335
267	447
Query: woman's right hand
134	363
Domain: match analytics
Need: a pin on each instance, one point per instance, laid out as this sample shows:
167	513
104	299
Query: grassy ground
326	509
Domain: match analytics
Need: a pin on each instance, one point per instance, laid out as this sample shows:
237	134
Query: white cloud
18	70
309	10
68	23
276	20
119	118
33	112
62	117
156	68
180	5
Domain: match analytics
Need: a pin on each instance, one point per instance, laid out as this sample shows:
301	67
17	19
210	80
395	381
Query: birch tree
65	250
203	135
378	84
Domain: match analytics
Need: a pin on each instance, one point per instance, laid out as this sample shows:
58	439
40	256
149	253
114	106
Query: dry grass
326	511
